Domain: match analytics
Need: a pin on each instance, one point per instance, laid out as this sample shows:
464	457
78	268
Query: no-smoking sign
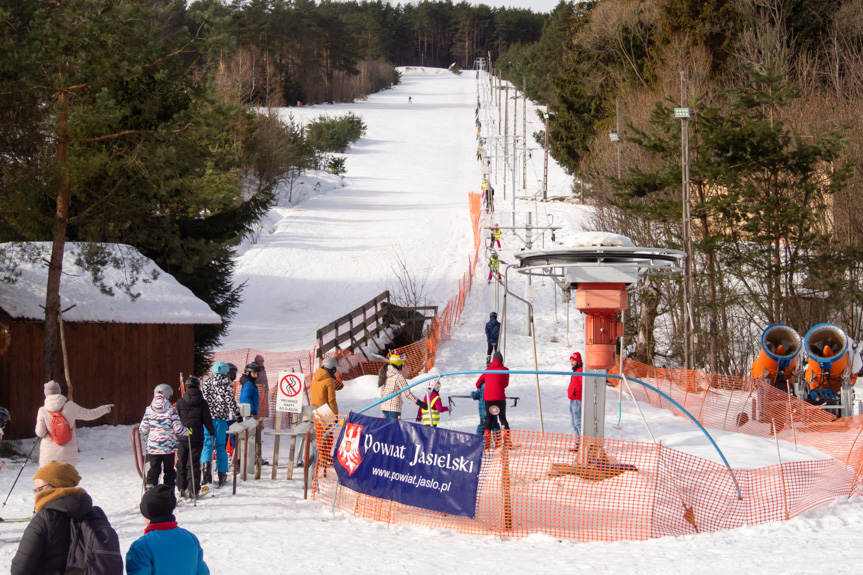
289	399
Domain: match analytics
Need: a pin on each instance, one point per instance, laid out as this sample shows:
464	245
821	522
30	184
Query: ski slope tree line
774	89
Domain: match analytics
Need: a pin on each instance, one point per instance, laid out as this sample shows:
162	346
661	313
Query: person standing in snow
249	388
492	335
430	415
45	543
164	548
495	233
495	396
322	390
410	100
55	403
489	202
161	425
219	395
263	384
392	408
477	395
574	392
194	414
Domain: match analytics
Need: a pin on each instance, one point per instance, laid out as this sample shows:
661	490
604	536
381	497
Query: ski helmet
251	368
220	368
492	315
397	359
495	225
192	382
164	390
330	365
493	254
434	385
576	357
4	417
232	371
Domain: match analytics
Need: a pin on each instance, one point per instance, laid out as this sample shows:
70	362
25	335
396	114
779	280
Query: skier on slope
494	266
194	414
495	397
434	405
392	408
495	233
322	390
219	395
574	392
161	425
492	335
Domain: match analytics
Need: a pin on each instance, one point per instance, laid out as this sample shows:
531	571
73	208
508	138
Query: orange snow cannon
777	361
827	347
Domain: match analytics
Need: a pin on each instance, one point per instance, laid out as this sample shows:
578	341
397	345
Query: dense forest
774	89
152	123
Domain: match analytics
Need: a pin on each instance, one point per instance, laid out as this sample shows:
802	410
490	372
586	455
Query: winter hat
52	388
576	357
259	359
158	502
59	475
497	356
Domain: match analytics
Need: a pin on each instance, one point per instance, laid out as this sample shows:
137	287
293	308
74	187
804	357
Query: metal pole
533	339
505	138
687	238
545	163
524	137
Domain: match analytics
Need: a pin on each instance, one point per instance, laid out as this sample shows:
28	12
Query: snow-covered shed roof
154	297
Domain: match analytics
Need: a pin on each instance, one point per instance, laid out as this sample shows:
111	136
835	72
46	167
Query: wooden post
276	448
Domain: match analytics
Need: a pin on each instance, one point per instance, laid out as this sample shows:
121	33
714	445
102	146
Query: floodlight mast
601	276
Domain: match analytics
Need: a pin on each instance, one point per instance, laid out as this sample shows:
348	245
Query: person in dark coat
492	335
194	414
45	543
495	397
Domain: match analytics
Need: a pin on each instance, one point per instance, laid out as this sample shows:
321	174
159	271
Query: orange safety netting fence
584	489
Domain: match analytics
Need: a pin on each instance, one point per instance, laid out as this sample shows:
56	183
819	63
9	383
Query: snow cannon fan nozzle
827	347
780	348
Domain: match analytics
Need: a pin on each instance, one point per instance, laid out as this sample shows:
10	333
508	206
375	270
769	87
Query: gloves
239	419
190	431
422	404
474	394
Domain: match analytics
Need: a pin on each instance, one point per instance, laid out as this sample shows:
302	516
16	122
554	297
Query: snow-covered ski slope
333	251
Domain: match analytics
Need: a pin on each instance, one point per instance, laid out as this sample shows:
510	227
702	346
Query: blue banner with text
422	466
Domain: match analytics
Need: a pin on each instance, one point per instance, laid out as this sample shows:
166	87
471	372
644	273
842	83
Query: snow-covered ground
406	192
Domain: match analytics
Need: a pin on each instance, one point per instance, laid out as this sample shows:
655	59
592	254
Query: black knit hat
159	502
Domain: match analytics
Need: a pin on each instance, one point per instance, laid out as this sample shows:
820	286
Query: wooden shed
119	346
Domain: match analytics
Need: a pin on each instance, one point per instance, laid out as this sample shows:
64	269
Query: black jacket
45	543
195	414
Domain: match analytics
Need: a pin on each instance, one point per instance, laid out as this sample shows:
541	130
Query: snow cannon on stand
777	361
776	366
829	377
601	267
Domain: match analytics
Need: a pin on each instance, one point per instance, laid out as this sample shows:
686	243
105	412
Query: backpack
59	429
94	547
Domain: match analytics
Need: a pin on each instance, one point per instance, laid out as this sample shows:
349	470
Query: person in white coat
55	402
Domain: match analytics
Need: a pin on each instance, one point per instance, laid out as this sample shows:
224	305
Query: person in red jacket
574	392
495	396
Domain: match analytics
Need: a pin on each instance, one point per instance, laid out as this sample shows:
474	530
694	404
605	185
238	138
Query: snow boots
223	478
207	473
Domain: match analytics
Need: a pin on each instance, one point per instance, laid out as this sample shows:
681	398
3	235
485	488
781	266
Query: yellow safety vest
494	264
435	414
496	234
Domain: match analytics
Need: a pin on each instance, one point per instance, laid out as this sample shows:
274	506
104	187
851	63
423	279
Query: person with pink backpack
55	424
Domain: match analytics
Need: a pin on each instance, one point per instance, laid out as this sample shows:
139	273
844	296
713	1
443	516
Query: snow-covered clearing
406	193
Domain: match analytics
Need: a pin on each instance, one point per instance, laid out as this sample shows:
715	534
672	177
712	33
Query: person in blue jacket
477	395
249	388
164	549
492	333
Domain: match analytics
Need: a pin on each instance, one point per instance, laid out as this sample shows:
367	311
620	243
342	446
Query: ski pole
14	483
192	471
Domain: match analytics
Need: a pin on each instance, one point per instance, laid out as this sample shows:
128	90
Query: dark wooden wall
108	363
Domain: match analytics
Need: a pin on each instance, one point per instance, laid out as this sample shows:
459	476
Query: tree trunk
55	267
645	344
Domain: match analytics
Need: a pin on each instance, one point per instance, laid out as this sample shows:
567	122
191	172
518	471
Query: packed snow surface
333	245
604	239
